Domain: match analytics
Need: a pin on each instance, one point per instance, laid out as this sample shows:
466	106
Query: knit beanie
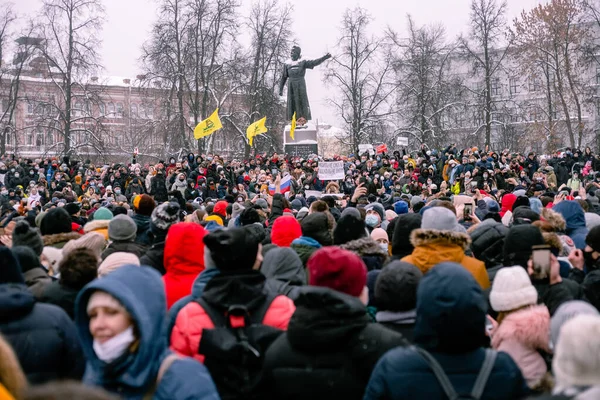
576	361
285	230
115	261
565	312
379	233
11	270
122	229
25	235
337	269
163	216
145	205
262	203
27	258
378	208
401	207
390	215
94	241
518	243
396	287
236	210
440	219
56	220
296	204
592	239
520	201
72	208
348	228
405	224
232	249
103	214
512	289
316	226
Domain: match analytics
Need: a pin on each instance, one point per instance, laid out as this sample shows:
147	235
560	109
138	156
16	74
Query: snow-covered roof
330	131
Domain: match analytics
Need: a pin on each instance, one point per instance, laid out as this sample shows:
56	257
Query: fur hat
396	287
91	240
122	229
512	289
25	235
103	214
349	227
565	312
56	220
117	260
337	269
576	361
163	216
285	230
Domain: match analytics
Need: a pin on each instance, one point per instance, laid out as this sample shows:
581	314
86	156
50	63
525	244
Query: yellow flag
293	128
208	126
256	129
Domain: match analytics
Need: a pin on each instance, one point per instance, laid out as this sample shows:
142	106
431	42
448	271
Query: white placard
331	170
402	141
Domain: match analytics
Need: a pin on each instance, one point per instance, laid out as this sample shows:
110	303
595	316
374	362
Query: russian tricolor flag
285	185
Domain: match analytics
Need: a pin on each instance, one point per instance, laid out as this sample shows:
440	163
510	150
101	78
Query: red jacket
192	320
183	259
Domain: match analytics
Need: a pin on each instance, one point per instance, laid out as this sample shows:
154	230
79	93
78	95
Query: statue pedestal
304	142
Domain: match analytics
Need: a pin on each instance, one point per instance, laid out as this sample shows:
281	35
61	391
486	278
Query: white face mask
114	347
384	246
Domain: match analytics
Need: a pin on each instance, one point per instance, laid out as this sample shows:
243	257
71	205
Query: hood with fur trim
427	237
555	219
96	225
368	249
59	238
529	326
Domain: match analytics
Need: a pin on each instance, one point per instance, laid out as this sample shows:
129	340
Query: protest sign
331	170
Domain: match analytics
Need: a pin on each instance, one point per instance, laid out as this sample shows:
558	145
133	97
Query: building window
39	138
134	111
149	112
535	85
597	75
496	87
102	108
533	114
111	109
49	139
30	139
119	110
30	107
514	85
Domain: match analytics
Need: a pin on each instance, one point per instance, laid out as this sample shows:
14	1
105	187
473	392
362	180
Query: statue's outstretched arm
313	63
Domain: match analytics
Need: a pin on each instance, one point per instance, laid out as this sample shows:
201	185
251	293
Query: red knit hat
337	269
220	208
285	230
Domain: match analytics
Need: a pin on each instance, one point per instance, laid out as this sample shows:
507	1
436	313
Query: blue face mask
371	220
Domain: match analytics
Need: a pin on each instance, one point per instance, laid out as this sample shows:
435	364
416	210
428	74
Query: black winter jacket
329	349
42	335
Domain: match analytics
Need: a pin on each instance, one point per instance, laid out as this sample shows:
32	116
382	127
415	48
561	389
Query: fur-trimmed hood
51	240
364	247
427	237
555	219
95	225
529	326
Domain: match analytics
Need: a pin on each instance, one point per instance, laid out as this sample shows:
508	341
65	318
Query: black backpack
234	349
480	382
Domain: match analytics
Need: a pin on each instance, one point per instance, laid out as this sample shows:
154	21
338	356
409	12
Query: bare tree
9	76
362	76
488	27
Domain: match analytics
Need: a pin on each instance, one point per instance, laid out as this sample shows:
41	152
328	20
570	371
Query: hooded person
405	225
396	296
122	231
488	243
576	365
184	259
564	313
331	346
317	231
349	227
370	251
102	217
507	205
450	330
236	211
523	329
120	319
284	271
42	335
163	216
285	230
575	217
143	205
440	239
56	232
34	274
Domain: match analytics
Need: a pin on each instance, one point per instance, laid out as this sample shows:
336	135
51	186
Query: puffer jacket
221	292
329	350
575	217
450	325
368	249
488	242
133	375
522	334
184	259
42	335
433	247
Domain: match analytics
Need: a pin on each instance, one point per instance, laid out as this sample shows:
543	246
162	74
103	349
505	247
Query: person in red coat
183	259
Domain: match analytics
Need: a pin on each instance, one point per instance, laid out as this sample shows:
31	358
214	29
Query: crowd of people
431	274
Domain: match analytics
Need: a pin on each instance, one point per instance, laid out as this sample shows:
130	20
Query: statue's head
296	53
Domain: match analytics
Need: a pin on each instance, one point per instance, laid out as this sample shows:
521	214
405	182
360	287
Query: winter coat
158	189
401	245
58	240
61	296
305	247
368	249
42	336
37	280
143	229
402	322
154	256
100	226
183	259
180	186
433	247
488	242
522	334
329	350
284	272
221	292
125	247
450	327
554	295
132	376
575	217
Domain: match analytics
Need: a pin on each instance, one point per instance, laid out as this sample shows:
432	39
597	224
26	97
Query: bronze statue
297	98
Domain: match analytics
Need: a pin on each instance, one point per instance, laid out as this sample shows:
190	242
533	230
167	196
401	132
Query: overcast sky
315	26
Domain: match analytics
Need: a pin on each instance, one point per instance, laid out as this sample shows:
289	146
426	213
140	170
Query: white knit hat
117	260
512	289
103	299
577	357
91	240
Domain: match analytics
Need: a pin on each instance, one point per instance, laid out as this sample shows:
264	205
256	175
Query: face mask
115	347
117	191
485	176
4	192
31	172
384	247
12	170
371	220
17	175
234	191
306	187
